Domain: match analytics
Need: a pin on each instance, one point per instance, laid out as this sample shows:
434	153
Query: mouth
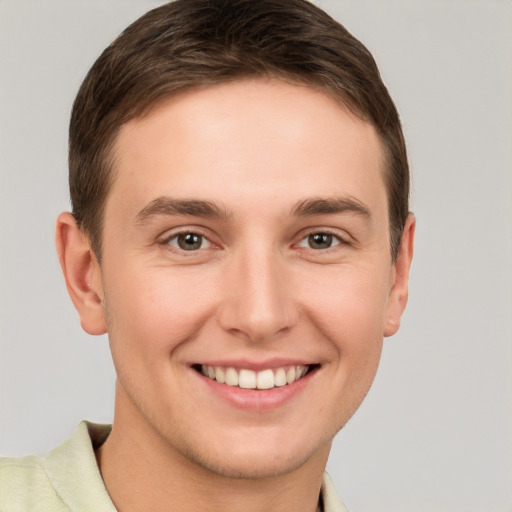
245	378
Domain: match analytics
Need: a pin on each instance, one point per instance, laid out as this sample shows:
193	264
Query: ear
82	274
399	292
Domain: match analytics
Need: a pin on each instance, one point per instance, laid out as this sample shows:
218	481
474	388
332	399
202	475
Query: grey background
435	433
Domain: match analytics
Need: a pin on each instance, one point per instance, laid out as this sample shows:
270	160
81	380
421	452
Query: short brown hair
188	43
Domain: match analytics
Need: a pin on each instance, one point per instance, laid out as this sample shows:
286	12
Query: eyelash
334	238
176	236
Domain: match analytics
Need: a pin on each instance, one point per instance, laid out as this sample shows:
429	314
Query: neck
144	472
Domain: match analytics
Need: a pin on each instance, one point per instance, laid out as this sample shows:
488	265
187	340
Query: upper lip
255	365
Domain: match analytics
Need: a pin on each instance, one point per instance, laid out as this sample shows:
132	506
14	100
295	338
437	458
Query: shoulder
66	479
25	486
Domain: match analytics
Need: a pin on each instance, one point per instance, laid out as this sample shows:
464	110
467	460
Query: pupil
320	241
189	241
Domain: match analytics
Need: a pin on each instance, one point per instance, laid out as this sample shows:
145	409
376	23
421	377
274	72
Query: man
240	228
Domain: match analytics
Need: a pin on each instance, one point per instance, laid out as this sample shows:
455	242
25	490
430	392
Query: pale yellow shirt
68	478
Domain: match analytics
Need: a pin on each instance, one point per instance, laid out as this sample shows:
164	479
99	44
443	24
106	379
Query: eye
319	241
189	241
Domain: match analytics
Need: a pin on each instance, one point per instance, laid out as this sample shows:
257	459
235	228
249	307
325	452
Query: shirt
68	479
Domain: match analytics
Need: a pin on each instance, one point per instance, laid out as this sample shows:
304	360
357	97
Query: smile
249	379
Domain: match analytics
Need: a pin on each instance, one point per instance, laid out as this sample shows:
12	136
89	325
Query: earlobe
399	292
82	273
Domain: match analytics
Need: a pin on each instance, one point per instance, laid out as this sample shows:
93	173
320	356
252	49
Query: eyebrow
193	207
207	209
322	206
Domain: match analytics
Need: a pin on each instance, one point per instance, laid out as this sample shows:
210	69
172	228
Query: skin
255	293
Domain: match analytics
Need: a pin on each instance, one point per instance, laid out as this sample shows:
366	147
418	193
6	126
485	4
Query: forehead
264	138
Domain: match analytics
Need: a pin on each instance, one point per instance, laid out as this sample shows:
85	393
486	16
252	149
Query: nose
258	303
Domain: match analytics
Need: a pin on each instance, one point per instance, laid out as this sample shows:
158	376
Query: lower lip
257	399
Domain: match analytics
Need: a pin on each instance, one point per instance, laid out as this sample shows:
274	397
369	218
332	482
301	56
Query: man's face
246	237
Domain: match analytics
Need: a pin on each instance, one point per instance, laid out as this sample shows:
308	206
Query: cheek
349	306
156	311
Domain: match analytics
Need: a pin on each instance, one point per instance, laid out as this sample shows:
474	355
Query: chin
255	457
250	466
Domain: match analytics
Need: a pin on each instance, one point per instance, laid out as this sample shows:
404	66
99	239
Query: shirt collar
88	493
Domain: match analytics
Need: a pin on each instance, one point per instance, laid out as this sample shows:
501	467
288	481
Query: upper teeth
249	379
